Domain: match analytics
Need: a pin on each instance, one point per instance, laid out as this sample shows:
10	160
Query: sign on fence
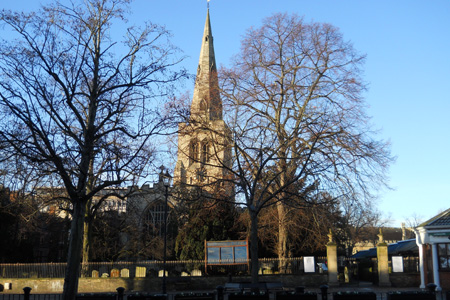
397	264
226	252
308	262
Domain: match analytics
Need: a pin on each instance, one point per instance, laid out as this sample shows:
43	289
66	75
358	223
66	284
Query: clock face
201	174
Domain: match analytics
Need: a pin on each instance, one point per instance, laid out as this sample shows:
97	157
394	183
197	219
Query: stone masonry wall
105	285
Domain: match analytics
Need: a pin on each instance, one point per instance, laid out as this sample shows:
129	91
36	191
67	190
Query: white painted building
433	239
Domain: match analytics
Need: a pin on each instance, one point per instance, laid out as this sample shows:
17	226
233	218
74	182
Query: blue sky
407	44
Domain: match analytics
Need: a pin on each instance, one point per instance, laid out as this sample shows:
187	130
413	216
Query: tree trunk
88	219
282	245
282	210
254	245
74	256
86	245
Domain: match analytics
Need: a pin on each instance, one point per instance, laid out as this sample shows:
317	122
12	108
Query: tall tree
293	97
307	226
205	219
79	106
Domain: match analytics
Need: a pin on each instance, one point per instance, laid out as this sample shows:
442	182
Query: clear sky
407	43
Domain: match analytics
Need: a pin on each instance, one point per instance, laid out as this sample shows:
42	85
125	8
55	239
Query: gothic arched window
205	152
193	152
154	219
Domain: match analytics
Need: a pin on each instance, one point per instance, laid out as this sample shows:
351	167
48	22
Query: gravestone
115	273
140	271
125	273
103	269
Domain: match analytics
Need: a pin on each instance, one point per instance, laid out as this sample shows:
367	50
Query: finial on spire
207	3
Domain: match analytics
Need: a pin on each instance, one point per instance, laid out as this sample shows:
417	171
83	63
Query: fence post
219	292
26	293
332	261
324	290
120	291
431	287
300	290
383	261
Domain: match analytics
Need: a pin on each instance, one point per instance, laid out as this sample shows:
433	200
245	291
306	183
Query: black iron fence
267	266
411	264
38	270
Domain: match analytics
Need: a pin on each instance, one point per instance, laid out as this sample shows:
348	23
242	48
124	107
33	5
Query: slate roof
442	219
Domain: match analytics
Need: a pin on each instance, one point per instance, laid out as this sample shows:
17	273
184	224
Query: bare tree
359	221
79	106
413	221
293	98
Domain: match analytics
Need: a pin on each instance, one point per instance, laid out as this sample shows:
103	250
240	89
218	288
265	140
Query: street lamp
166	181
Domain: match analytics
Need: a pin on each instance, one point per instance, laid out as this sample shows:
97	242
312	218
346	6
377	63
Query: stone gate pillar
383	261
332	261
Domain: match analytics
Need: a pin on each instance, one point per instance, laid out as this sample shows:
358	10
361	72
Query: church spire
206	102
204	148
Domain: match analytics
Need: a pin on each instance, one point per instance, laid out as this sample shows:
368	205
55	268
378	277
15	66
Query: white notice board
397	264
308	262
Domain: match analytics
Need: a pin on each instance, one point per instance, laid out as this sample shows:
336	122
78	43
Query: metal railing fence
33	270
267	266
411	264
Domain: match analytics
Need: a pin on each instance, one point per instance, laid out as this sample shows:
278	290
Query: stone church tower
204	147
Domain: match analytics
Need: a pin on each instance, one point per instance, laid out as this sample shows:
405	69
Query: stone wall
405	279
97	285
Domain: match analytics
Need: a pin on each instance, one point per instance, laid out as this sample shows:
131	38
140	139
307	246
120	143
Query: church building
204	147
204	141
203	165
